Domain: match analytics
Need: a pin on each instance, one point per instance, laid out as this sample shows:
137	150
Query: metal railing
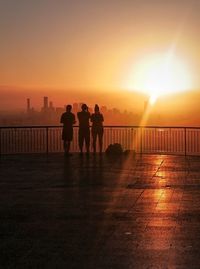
141	139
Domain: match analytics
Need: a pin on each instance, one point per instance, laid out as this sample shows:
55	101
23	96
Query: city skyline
110	47
49	114
118	54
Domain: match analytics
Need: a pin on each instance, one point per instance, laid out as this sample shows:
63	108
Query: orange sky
91	44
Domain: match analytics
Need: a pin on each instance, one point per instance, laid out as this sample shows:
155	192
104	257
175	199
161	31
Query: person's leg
65	145
68	146
87	140
64	138
69	139
94	140
80	140
100	134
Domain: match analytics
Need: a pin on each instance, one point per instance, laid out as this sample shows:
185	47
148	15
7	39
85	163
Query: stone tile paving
97	212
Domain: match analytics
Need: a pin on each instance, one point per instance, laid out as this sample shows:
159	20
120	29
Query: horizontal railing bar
106	126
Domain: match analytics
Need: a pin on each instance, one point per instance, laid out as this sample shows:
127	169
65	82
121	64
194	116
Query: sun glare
153	99
159	75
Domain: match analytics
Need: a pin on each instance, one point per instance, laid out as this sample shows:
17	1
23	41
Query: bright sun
158	75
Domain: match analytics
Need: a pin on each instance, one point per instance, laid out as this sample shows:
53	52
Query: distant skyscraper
28	107
104	109
51	104
45	102
75	107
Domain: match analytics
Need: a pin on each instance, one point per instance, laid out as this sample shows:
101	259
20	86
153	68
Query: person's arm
74	119
102	118
91	118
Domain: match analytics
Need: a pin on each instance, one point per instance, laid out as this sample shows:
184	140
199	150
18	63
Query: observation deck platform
135	211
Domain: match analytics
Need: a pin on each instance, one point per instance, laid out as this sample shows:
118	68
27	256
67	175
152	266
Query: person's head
96	108
68	108
84	107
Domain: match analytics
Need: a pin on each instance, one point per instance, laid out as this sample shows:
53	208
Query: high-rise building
51	104
75	108
45	103
104	109
28	107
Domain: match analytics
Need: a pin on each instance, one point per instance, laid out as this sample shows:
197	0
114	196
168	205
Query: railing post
111	136
185	135
131	140
141	141
0	142
47	140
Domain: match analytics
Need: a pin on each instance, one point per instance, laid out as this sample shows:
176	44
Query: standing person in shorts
84	129
68	120
97	128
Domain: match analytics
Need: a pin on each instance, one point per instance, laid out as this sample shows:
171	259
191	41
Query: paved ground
129	212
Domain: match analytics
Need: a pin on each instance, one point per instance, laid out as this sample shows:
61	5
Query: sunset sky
92	44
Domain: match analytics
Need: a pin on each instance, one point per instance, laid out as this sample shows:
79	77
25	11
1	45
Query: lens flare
153	99
158	75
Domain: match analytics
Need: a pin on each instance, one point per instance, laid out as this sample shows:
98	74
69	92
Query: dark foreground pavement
130	212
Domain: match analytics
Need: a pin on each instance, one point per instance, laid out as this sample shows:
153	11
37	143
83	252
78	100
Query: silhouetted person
97	128
68	119
84	128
